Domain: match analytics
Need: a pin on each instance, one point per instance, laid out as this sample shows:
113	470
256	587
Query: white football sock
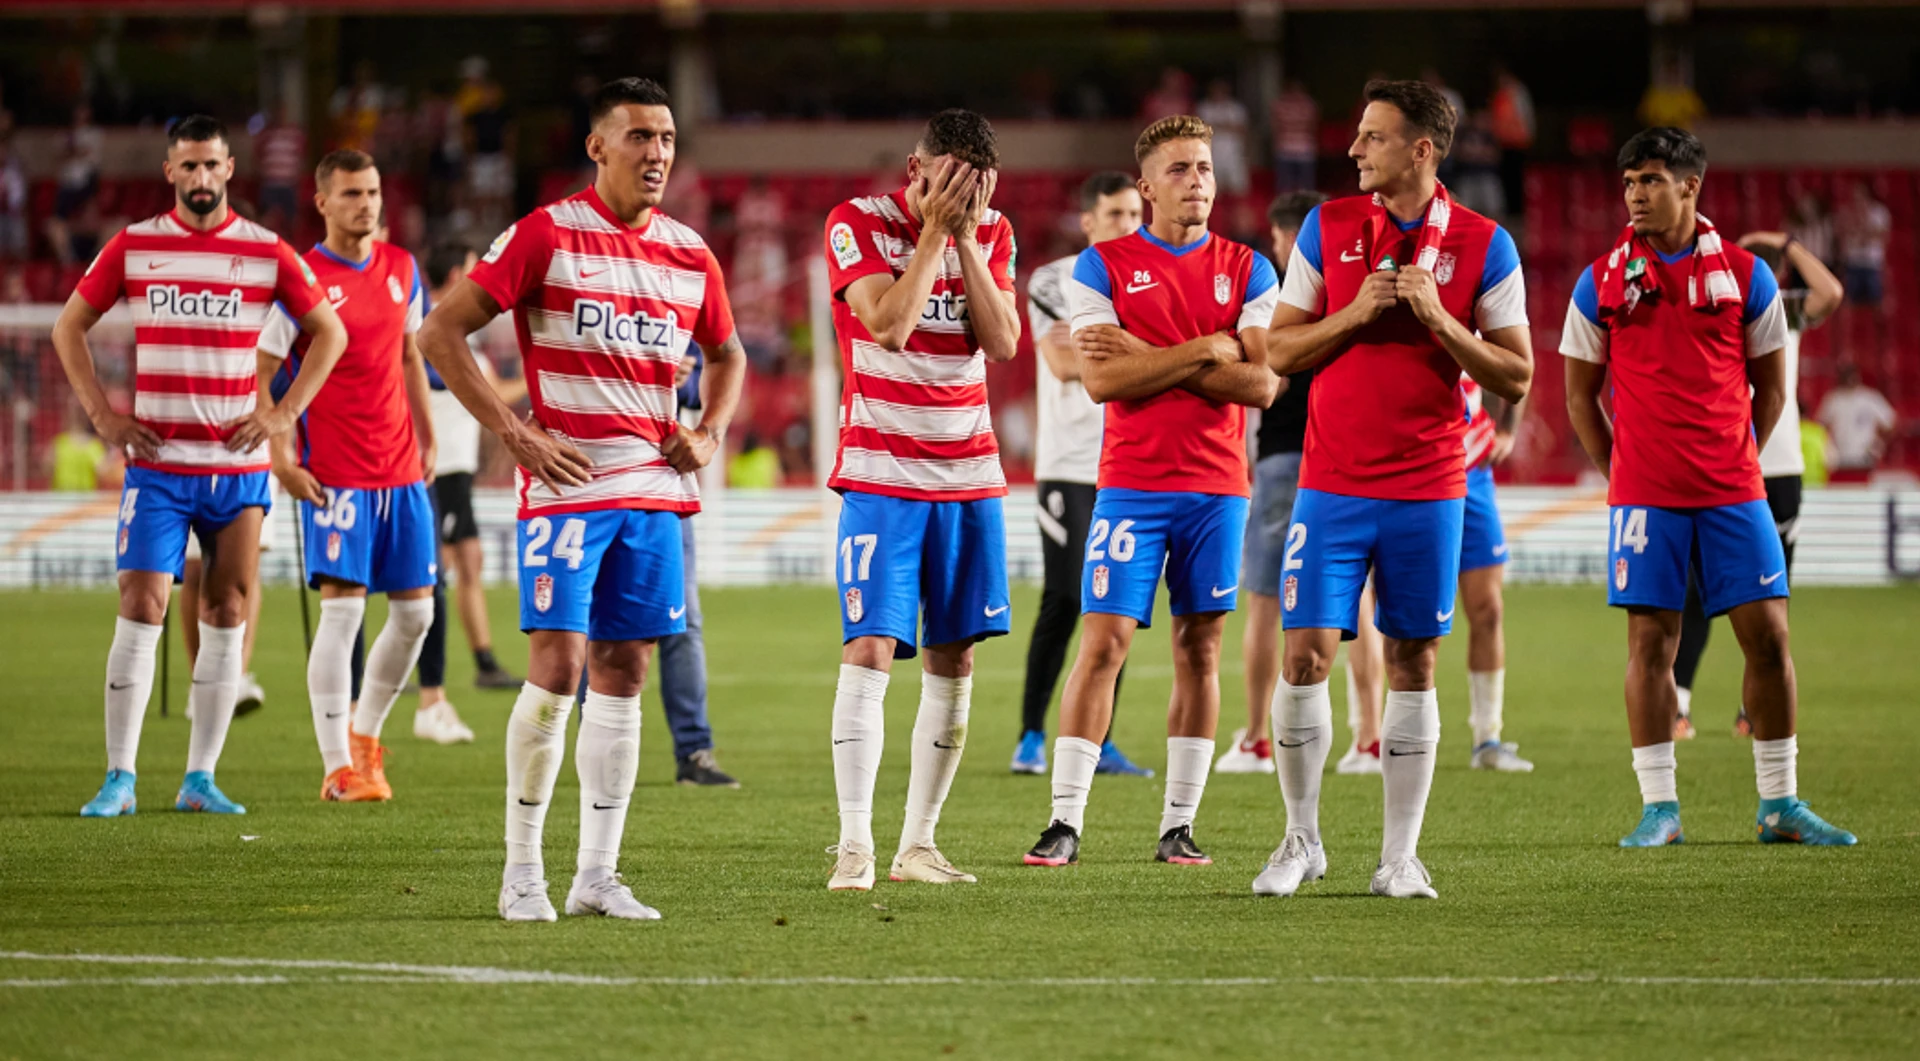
1074	761
536	742
130	664
1486	692
1686	701
939	736
1655	766
1773	767
1409	738
607	756
1302	736
216	686
1188	760
330	677
859	734
390	661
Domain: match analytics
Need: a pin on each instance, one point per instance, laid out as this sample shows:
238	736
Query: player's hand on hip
1502	447
246	432
1416	287
1378	293
548	459
126	434
689	449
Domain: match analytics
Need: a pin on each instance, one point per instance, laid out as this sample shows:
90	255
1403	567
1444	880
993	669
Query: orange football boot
369	761
347	785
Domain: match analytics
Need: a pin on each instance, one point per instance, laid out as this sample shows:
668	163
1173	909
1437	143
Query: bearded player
1395	292
1171	324
606	293
1686	333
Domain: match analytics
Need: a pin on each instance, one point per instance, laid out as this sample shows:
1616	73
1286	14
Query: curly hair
963	134
1167	130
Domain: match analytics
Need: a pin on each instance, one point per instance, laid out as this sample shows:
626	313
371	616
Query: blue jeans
683	667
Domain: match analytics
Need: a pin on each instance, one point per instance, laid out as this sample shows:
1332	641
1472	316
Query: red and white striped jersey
604	313
913	424
1480	427
199	300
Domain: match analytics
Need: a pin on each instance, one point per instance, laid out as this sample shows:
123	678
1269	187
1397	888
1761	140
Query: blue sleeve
1091	269
1586	297
1762	289
282	381
1261	278
1503	260
690	390
1308	241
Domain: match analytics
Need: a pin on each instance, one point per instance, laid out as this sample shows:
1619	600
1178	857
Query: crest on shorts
123	540
1620	573
1100	582
1291	591
543	593
333	546
393	288
1443	268
855	608
1222	288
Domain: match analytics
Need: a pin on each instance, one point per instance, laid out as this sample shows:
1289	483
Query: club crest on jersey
393	288
236	267
543	593
1222	288
1443	268
1292	591
1100	582
846	249
499	245
1620	573
855	608
333	546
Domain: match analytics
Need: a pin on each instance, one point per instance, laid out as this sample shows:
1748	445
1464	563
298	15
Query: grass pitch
318	930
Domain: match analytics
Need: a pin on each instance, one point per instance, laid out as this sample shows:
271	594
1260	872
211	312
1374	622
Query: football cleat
1360	760
1245	756
703	770
924	863
1405	879
199	793
496	678
1178	848
607	896
1659	826
1742	725
854	870
347	785
526	900
1031	755
1791	821
369	761
1058	846
1297	859
1493	755
441	724
251	697
1114	761
1683	728
115	798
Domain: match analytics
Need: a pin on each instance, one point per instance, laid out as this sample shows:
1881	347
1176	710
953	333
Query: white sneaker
926	865
526	900
1241	757
1406	879
251	697
1357	762
441	724
1296	860
1505	758
607	896
853	872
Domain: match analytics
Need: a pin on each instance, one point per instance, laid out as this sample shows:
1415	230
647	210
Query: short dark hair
444	258
197	129
1425	109
1101	185
1680	150
644	91
1289	212
964	135
345	160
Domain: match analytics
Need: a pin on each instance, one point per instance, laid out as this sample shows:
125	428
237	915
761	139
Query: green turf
1531	884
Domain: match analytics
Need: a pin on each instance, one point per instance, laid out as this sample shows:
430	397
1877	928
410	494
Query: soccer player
1676	325
1394	292
1171	325
1808	305
606	293
1065	468
201	279
923	298
1491	422
359	473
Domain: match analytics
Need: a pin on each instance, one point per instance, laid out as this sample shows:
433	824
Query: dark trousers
1065	511
1783	497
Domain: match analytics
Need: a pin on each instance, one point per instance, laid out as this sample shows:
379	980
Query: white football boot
1406	879
1357	762
608	896
1296	860
441	724
924	863
526	900
1493	755
853	872
1243	757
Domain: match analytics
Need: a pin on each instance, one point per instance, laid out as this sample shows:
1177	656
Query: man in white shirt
1065	469
1860	421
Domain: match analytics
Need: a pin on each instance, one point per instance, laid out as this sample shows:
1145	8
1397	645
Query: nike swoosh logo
122	685
943	747
1219	593
157	265
1396	753
1443	616
335	714
675	613
606	806
991	612
341	302
1186	806
584	275
1500	550
849	740
1301	744
1345	257
1134	289
529	803
1771	579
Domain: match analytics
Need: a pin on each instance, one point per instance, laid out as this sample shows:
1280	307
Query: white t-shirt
1782	455
1855	416
456	434
1068	449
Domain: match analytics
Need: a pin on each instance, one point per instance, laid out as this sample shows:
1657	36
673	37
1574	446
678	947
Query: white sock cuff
1302	706
411	616
139	636
1076	747
221	641
614	712
1783	746
863	681
1654	756
947	692
1200	746
1411	717
543	710
352	609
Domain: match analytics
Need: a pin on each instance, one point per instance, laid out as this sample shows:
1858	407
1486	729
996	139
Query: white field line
325	971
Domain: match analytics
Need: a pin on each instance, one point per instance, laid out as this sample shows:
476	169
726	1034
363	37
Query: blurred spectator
1807	221
13	204
1174	95
1670	99
280	152
1228	116
355	110
1862	230
758	275
1816	447
686	199
1295	123
1454	99
755	467
482	104
74	228
1476	170
77	462
1511	110
1861	422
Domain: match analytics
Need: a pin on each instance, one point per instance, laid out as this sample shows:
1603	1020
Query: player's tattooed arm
443	339
327	342
890	308
1586	382
1768	374
118	430
1245	382
1117	366
689	449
